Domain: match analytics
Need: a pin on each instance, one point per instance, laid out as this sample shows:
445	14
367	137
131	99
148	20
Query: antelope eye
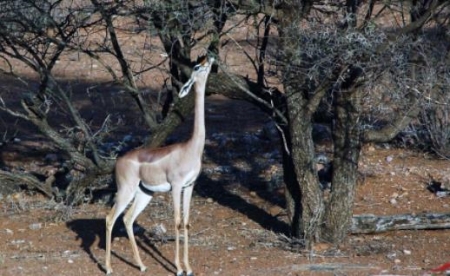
196	67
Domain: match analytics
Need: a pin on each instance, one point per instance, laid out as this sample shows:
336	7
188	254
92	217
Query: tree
339	64
38	33
330	67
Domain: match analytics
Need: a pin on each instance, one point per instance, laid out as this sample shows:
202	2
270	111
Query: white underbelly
187	181
160	188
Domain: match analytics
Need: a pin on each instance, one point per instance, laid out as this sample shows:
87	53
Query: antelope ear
186	88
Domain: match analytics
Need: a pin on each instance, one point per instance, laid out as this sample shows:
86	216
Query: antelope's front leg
187	195
176	195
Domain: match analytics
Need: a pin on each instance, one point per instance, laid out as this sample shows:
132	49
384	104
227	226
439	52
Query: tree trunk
347	145
305	207
177	114
292	189
304	197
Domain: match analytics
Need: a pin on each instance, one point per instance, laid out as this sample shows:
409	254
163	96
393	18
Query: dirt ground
238	219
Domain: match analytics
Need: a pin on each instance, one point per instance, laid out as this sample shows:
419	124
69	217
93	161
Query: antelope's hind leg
141	200
122	201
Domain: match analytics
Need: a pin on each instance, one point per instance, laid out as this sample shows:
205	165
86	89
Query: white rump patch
160	188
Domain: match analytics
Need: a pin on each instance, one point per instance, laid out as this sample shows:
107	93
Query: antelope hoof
190	274
143	268
180	273
109	271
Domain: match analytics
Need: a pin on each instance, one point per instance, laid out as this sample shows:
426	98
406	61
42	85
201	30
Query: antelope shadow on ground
91	230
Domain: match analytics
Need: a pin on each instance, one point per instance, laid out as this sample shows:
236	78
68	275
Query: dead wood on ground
369	224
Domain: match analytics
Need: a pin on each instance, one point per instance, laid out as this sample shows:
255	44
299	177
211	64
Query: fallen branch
365	224
18	178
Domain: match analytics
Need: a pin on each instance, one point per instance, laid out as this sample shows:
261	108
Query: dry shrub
436	120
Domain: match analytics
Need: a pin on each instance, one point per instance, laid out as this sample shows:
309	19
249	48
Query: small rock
158	230
389	159
391	255
442	193
397	261
407	252
35	226
74	57
253	258
231	248
209	200
393	201
17	241
253	194
9	231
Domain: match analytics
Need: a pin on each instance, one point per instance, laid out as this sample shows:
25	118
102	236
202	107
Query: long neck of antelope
199	135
